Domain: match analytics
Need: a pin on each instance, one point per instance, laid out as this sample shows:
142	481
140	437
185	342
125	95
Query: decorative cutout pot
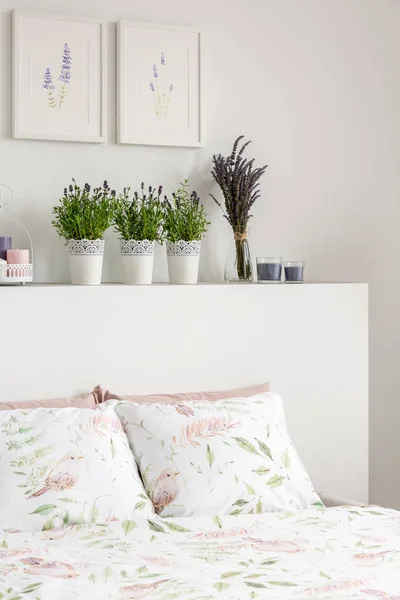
86	261
137	261
183	261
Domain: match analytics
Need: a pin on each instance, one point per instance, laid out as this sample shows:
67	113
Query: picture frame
59	77
158	85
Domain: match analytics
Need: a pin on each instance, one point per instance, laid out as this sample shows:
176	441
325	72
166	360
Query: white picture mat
310	341
175	54
38	44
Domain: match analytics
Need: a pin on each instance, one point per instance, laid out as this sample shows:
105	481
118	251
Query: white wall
316	85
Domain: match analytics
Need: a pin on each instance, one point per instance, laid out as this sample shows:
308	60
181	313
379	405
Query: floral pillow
65	466
230	457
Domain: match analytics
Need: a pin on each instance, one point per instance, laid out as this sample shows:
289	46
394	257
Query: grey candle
269	270
294	271
5	244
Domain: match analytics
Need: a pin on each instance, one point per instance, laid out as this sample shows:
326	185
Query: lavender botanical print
231	457
162	92
64	78
336	553
66	466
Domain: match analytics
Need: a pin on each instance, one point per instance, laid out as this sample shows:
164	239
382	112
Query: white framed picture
159	87
59	77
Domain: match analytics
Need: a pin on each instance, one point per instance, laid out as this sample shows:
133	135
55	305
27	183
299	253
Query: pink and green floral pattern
228	457
64	466
315	554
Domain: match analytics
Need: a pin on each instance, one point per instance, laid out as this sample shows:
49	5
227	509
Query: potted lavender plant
239	183
138	220
185	224
81	218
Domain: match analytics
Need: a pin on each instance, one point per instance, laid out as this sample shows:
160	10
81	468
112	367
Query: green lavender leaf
218	521
112	448
245	445
264	448
275	481
240	502
31	588
220	586
261	470
176	527
250	490
128	526
155	527
44	509
270	561
141	570
210	455
285	458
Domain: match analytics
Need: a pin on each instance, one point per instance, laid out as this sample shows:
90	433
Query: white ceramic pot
183	261
85	261
137	261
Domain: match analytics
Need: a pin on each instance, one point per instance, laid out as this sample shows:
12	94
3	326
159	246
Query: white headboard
310	341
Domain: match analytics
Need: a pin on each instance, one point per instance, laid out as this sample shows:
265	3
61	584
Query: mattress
336	553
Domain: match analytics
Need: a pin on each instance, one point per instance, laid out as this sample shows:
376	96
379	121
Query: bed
69	545
95	524
343	552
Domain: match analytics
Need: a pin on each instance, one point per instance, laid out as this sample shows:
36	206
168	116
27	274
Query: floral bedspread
322	553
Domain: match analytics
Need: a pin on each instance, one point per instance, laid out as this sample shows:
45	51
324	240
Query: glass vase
239	266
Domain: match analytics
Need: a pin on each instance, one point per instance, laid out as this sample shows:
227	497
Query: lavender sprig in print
65	74
48	85
64	77
162	92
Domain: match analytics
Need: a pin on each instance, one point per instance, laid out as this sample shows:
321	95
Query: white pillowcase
227	457
64	466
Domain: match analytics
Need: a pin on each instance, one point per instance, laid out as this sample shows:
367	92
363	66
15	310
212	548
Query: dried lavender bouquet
239	183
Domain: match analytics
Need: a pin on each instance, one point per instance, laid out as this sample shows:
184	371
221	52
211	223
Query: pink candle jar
17	257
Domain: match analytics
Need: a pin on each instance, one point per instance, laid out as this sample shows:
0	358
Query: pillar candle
5	244
18	257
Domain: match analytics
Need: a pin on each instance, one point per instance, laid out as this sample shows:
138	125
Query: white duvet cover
320	553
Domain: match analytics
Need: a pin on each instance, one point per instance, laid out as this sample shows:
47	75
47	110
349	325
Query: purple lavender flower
65	74
162	58
171	87
152	86
155	72
48	80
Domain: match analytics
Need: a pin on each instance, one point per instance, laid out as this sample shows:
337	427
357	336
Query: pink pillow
88	401
245	392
